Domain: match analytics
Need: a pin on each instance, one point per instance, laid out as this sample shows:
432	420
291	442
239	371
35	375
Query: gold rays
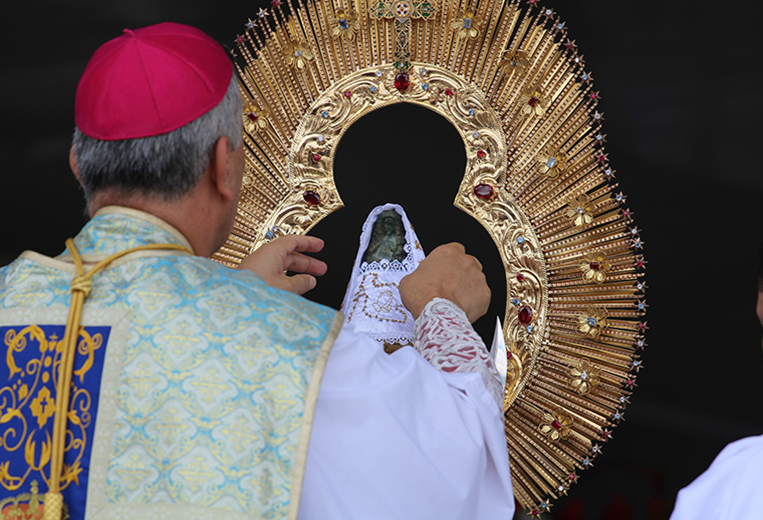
513	84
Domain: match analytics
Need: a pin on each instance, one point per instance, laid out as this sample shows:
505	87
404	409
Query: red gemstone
316	157
604	434
535	512
448	92
484	191
630	382
639	263
312	197
481	154
520	276
556	425
240	39
509	355
533	101
572	476
402	82
347	94
252	116
641	326
525	315
595	266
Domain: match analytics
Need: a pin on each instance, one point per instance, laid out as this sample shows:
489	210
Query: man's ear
219	169
73	165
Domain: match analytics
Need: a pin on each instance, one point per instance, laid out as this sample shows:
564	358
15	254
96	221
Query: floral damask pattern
208	407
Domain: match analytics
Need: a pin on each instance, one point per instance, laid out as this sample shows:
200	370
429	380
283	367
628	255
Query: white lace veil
372	301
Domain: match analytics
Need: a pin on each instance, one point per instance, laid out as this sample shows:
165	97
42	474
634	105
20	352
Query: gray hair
167	165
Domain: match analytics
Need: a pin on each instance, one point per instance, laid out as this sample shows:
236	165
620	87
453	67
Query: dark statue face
387	238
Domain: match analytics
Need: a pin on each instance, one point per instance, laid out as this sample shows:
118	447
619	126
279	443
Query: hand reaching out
272	260
448	272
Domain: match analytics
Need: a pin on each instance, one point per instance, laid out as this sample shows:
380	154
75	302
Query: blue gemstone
635	363
551	162
515	301
372	89
467	23
324	114
617	416
425	86
592	321
471	111
641	306
529	328
269	234
520	240
343	23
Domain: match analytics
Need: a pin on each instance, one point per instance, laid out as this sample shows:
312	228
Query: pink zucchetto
151	81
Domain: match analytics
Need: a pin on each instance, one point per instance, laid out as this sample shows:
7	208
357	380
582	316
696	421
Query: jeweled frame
537	179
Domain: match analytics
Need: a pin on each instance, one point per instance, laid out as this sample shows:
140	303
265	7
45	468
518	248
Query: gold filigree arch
482	194
510	80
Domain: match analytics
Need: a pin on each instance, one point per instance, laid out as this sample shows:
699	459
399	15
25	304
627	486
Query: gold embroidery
43	406
26	398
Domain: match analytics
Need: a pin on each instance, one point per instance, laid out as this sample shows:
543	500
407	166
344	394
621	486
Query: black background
680	83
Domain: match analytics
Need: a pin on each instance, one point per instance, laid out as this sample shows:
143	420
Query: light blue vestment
194	387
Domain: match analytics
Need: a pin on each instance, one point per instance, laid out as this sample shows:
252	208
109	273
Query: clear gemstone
529	328
586	462
639	343
595	449
579	210
635	363
584	376
476	135
619	198
324	114
378	74
297	53
321	139
560	26
423	72
622	399
549	12
599	137
551	162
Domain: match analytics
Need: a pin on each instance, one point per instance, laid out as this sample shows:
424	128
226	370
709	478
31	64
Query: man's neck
191	215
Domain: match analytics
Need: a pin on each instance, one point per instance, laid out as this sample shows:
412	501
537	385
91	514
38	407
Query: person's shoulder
729	488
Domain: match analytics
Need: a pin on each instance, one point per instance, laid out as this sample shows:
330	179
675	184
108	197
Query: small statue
387	238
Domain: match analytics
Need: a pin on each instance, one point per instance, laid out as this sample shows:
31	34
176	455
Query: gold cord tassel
80	289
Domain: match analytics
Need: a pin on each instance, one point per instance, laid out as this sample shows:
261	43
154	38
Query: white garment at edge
732	487
395	439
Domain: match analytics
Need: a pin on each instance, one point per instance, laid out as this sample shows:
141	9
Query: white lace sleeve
445	338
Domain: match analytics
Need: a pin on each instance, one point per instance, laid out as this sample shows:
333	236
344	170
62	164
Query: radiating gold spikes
509	78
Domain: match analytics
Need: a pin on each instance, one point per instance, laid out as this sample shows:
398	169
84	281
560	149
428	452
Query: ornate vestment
194	384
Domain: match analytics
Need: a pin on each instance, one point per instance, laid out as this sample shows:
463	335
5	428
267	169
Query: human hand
272	260
448	272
